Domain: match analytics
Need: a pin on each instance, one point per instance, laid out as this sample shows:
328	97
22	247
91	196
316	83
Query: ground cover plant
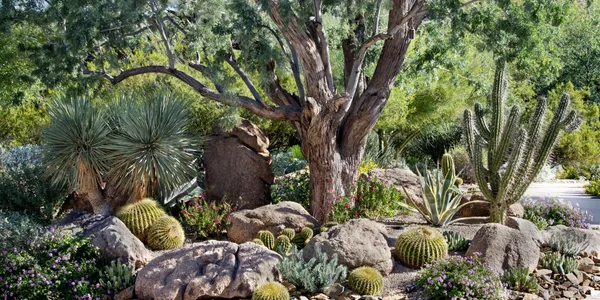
556	212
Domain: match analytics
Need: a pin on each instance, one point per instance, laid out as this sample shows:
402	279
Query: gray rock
245	224
592	237
503	248
126	294
528	229
400	178
211	269
110	235
359	242
238	166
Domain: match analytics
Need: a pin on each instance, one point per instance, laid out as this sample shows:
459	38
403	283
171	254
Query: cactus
139	216
271	291
303	237
366	281
289	232
258	242
505	142
455	241
448	164
458	181
419	246
283	245
267	238
306	233
165	234
558	263
116	276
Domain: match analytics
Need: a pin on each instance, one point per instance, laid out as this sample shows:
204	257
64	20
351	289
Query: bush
464	168
59	266
540	222
205	219
292	187
593	188
312	276
460	278
17	230
557	212
285	162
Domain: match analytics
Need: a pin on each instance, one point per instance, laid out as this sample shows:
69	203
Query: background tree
202	40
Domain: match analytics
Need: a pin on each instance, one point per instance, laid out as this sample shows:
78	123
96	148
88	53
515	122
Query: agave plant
441	197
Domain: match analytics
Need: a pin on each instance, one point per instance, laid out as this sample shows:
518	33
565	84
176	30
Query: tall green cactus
505	141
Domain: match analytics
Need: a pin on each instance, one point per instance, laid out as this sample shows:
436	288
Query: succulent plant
267	238
518	279
558	263
456	242
140	216
165	234
448	164
458	181
289	232
258	242
366	281
303	237
419	246
271	291
283	245
307	233
116	276
570	245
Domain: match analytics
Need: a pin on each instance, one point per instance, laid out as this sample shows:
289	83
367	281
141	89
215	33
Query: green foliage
285	162
556	212
205	219
525	155
140	216
17	230
539	221
165	234
289	232
593	188
558	263
569	245
267	238
302	238
366	281
518	279
419	246
456	241
271	291
292	187
283	245
116	277
463	164
57	266
313	276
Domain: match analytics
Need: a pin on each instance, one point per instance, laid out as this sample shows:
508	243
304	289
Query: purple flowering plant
56	266
460	278
557	212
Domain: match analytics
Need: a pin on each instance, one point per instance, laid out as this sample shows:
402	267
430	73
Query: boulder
110	235
592	237
503	248
528	229
207	270
400	178
483	209
359	242
238	166
245	224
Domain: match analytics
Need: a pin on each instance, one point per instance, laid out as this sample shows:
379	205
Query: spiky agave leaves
75	150
366	281
150	147
421	245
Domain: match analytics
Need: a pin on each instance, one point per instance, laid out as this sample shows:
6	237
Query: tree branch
269	112
376	19
163	34
233	63
358	62
204	71
323	45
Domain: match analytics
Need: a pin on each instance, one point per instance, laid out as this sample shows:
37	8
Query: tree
277	39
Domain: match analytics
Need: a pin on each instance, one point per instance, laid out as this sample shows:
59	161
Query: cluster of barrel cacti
149	222
284	241
366	281
419	246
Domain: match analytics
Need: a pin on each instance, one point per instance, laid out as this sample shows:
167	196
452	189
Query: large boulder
592	237
400	178
207	270
110	235
528	229
238	166
359	242
503	248
483	209
245	224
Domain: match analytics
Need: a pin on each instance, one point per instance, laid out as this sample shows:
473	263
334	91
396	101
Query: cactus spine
504	140
139	216
419	246
271	291
165	234
366	281
283	245
267	238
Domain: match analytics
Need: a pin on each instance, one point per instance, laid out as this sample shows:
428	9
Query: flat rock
245	224
358	242
211	269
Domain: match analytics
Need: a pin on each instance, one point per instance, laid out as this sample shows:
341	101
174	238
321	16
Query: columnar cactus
165	234
283	244
267	238
448	164
366	281
271	291
419	246
523	151
139	216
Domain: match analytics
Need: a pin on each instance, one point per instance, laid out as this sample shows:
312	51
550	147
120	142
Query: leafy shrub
558	263
59	266
518	279
292	187
557	212
116	277
540	222
17	230
312	276
570	245
460	278
593	188
24	186
285	162
205	219
367	165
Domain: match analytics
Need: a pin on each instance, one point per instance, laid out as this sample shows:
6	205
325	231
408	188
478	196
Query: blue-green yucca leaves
151	147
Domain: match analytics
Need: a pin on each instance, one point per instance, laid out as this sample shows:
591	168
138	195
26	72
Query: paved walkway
571	191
